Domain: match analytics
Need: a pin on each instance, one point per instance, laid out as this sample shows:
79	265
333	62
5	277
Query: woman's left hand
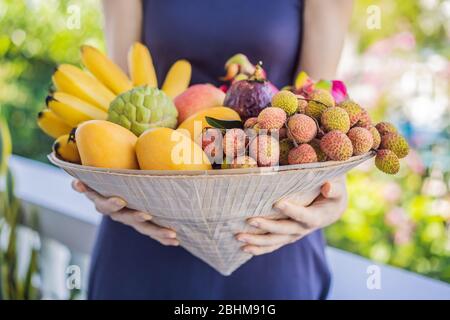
300	221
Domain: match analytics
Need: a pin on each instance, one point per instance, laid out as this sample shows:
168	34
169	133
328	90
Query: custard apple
142	108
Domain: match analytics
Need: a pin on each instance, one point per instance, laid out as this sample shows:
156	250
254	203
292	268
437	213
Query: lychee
285	146
376	137
304	153
286	100
302	104
353	109
265	149
271	118
243	162
319	100
335	118
321	156
234	143
336	145
211	142
250	122
301	128
364	119
396	143
361	139
385	127
387	161
210	135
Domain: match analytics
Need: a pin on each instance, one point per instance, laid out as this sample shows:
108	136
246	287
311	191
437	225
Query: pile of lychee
297	129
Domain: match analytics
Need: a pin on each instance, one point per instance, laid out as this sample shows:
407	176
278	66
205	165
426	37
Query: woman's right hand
115	208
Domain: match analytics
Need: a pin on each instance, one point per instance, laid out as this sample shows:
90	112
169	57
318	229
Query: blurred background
399	69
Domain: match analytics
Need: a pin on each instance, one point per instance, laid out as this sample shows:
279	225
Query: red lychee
265	149
304	153
301	128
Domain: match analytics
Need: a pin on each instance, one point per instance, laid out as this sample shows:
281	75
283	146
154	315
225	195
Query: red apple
198	97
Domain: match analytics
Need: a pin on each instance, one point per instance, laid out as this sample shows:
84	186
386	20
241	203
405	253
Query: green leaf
5	144
324	84
224	124
28	292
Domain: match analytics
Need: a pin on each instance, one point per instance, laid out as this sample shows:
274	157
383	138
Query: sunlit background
399	70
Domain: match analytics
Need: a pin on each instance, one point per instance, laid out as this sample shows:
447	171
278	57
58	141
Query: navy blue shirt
128	265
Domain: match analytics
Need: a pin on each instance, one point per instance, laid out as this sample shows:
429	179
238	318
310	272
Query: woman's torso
126	264
208	32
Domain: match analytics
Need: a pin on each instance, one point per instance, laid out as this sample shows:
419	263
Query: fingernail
171	235
145	216
245	249
120	202
79	186
326	189
254	223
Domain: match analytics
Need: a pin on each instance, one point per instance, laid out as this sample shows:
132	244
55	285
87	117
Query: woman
136	259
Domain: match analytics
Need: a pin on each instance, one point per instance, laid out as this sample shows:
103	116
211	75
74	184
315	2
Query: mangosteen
248	97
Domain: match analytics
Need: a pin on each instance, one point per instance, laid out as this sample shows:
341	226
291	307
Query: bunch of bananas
83	95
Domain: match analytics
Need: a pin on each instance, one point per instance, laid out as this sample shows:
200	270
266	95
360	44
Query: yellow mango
194	125
65	148
168	149
105	144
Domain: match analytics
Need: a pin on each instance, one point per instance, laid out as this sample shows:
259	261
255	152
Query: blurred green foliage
427	20
13	286
37	35
394	222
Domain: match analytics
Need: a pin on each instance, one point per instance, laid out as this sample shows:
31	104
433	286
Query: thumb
332	190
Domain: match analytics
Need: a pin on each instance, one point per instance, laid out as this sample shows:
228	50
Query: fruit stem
305	99
258	75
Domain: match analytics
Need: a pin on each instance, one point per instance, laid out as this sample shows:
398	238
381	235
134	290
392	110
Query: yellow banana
66	148
73	110
178	78
74	81
106	71
51	124
140	66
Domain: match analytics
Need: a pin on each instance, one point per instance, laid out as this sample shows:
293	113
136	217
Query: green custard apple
143	108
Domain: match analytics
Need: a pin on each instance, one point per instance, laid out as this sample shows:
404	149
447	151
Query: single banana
74	81
51	124
106	71
178	78
140	66
66	148
73	110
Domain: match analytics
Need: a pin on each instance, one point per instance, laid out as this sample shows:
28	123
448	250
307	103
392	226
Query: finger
286	226
270	239
164	235
167	242
333	190
154	231
257	250
129	216
78	186
105	205
309	217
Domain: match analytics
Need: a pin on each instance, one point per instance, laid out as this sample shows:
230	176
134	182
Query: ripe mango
168	149
194	125
105	144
